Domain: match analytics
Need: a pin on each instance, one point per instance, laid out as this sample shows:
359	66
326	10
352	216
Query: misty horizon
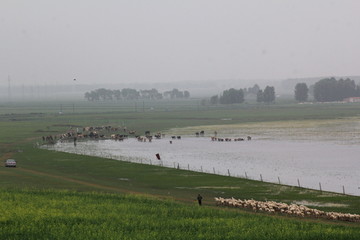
123	42
197	89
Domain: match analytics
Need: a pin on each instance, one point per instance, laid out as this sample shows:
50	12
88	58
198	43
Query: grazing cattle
149	138
201	133
118	137
132	132
141	139
238	139
173	137
178	137
147	133
248	138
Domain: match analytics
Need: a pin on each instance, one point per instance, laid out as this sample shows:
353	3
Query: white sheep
292	209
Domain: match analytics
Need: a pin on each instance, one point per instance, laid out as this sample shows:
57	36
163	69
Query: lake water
334	164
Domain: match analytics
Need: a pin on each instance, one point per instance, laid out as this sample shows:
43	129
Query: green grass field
40	214
53	195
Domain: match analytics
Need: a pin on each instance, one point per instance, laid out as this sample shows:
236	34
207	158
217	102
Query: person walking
199	198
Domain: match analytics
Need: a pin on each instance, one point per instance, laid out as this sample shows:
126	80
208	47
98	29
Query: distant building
351	99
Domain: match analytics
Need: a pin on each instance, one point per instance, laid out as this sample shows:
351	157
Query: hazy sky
55	41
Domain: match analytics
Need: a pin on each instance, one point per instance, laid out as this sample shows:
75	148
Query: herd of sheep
292	209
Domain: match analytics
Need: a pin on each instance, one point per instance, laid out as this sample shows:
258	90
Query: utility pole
9	88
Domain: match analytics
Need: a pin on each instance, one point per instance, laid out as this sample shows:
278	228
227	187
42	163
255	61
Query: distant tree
214	100
88	96
175	93
254	90
130	94
330	89
232	96
346	88
269	94
325	90
117	94
301	92
260	96
186	94
92	96
151	94
133	94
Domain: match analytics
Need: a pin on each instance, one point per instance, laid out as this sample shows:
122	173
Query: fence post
299	182
279	180
343	190
214	170
178	167
229	172
261	178
320	186
246	176
188	167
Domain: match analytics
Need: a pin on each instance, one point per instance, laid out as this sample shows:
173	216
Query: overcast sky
55	41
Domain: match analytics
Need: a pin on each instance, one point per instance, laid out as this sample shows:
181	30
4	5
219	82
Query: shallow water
334	164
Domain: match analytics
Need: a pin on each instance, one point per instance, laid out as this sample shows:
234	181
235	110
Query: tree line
232	95
103	94
327	90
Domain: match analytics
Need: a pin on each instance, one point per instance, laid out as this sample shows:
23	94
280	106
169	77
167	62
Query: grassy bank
34	214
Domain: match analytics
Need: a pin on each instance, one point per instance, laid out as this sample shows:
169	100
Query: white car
10	163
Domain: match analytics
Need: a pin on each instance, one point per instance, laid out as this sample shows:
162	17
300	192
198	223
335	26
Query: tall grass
36	214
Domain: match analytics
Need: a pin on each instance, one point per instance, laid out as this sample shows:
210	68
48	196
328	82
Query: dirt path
35	172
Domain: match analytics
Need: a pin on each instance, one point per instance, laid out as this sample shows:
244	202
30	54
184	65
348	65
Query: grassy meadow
54	195
40	214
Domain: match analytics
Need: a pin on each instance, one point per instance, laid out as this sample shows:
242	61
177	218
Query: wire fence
201	169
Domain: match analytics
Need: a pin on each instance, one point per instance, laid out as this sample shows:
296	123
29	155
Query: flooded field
309	153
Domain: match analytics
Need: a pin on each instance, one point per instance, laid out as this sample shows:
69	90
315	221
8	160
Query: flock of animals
120	134
292	209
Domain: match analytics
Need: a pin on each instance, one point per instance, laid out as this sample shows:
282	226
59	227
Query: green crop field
40	214
54	195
